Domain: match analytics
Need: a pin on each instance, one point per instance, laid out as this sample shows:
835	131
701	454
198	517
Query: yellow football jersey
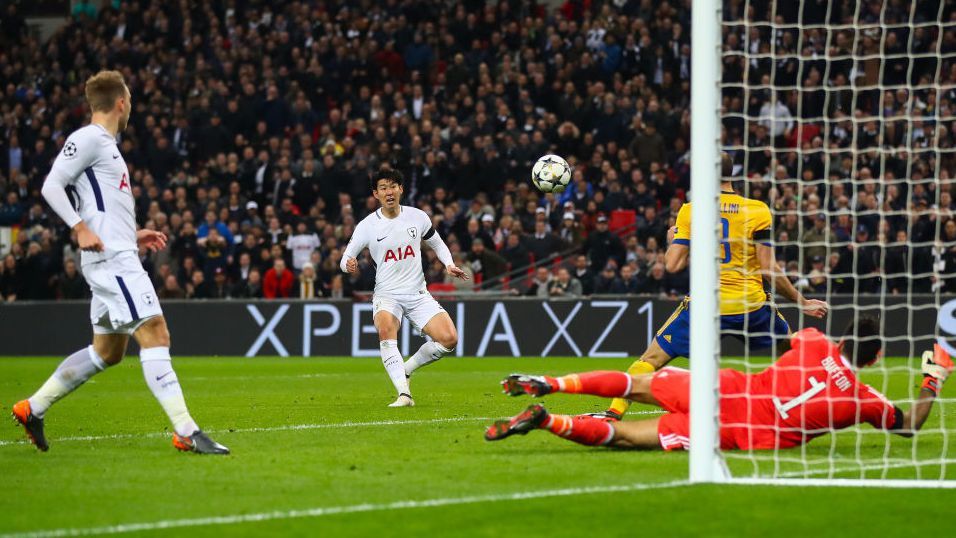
744	223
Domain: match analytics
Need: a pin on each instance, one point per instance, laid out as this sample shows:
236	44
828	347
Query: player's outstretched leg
522	423
653	359
608	384
532	385
70	374
158	371
619	406
444	338
584	430
430	352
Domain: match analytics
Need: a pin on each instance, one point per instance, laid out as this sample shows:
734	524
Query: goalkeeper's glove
936	366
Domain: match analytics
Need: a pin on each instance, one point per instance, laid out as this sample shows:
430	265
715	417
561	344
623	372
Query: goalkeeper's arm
936	366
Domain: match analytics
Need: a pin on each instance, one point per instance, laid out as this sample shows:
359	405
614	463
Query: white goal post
842	117
705	462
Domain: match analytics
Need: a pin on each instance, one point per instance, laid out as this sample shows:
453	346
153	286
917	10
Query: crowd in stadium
256	126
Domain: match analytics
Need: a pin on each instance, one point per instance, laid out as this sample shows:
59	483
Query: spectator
515	252
250	144
630	280
815	239
220	288
11	212
648	146
817	279
302	244
9	279
541	283
570	232
564	285
603	245
543	244
277	282
461	284
487	263
866	265
213	251
308	285
198	287
583	274
171	289
473	232
70	283
608	283
250	288
338	289
656	283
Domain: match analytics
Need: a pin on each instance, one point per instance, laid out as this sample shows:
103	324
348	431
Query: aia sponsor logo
399	254
124	184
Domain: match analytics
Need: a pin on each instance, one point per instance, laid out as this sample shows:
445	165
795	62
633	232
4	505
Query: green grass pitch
316	452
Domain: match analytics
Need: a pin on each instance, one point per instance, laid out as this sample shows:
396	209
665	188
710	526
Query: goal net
840	116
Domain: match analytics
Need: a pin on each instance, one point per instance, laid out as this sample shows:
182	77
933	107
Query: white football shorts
419	308
123	294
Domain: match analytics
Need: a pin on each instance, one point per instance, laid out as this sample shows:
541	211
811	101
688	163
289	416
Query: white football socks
430	352
162	380
70	374
394	366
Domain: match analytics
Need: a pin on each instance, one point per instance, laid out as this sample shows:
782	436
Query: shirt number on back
725	226
816	387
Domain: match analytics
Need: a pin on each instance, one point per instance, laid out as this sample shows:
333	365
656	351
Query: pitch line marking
288	427
336	510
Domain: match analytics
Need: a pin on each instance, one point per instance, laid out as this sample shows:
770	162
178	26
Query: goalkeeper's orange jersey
744	223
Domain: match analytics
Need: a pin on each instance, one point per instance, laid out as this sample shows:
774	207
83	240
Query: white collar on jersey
104	130
381	214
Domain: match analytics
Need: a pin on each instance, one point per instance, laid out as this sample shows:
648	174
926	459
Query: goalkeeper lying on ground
810	391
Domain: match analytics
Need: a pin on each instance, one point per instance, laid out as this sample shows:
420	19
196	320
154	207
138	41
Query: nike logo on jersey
116	156
380	239
159	377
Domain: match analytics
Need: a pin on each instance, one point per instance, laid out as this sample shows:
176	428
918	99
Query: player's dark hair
861	339
389	174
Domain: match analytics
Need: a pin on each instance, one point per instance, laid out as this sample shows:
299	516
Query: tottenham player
811	390
89	188
393	235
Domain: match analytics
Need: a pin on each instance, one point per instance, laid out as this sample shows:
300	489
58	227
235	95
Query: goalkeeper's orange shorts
671	388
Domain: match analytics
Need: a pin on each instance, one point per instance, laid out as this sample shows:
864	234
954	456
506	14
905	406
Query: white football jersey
302	246
98	186
395	246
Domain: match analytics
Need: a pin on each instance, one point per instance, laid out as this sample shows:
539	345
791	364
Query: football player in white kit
394	234
89	188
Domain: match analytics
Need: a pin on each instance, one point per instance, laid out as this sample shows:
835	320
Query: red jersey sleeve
877	411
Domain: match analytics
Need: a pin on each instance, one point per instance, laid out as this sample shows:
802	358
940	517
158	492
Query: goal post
841	116
705	463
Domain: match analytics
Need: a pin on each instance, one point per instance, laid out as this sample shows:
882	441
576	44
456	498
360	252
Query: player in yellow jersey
746	309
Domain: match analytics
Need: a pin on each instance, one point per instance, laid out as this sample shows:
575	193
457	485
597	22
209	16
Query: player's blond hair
103	89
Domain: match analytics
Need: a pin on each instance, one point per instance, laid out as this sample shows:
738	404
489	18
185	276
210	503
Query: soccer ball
551	174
